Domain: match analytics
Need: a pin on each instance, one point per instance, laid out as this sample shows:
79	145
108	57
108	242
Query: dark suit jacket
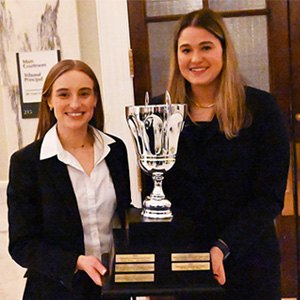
234	189
45	229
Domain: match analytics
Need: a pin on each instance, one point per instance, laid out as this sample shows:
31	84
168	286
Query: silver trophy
156	130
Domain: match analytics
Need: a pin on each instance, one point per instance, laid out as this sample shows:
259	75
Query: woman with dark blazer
231	168
65	188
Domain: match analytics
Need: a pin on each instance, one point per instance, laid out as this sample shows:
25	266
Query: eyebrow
66	89
85	88
200	44
61	90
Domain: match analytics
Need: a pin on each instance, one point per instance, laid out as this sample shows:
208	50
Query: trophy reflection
156	130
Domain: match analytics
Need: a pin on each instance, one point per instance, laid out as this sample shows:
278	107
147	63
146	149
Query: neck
203	96
74	140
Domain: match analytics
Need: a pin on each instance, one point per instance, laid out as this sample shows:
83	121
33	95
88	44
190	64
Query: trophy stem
157	192
156	206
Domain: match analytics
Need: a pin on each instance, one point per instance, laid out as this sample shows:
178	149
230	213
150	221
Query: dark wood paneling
225	14
294	9
279	54
140	48
286	230
294	16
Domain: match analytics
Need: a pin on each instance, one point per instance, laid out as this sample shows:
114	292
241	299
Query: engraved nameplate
148	267
192	266
134	278
131	258
190	257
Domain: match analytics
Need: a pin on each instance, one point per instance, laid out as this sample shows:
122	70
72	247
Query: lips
77	114
197	69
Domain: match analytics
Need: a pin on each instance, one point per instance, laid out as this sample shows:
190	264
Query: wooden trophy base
159	258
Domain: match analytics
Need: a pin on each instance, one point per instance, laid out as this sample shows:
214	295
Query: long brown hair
230	100
46	116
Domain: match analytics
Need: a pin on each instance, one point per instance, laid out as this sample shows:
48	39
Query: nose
197	57
75	102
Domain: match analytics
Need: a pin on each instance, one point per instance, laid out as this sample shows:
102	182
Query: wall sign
33	68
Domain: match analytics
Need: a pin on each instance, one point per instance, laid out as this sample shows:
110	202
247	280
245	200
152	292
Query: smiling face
200	57
73	100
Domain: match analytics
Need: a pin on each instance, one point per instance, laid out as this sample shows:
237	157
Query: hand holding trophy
156	130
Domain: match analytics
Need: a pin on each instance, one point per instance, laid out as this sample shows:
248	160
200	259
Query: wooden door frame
294	12
284	43
279	56
140	49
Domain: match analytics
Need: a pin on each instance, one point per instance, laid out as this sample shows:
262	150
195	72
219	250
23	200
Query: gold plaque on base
144	267
205	256
119	278
191	266
134	258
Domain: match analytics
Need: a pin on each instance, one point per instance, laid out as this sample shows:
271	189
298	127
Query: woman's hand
92	266
217	256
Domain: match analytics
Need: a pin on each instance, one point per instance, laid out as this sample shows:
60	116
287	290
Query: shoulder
117	139
29	152
107	138
118	152
259	97
118	143
260	102
25	160
267	117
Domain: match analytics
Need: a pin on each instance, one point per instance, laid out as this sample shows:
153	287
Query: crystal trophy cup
156	130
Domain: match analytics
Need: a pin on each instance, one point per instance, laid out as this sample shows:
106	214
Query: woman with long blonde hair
232	162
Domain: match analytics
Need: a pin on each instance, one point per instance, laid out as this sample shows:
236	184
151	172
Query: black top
234	188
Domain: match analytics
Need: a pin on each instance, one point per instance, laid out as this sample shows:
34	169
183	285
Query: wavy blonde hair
230	99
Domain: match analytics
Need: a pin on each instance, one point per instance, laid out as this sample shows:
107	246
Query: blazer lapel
112	164
115	165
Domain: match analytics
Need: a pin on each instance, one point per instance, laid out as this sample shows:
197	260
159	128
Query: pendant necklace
203	106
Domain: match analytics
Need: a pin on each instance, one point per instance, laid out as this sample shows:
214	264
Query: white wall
117	84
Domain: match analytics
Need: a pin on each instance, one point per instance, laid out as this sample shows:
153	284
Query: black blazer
235	188
45	229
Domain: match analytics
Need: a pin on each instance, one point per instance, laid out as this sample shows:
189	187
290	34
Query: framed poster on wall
33	68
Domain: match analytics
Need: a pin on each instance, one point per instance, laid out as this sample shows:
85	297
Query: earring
51	108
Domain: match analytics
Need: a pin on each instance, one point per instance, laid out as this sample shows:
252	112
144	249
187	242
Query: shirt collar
51	145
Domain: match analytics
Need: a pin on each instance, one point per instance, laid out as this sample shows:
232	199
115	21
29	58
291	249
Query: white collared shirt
95	194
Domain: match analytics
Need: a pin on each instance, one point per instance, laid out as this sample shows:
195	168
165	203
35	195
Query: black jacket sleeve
29	244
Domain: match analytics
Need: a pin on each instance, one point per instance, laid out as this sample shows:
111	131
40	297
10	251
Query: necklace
84	143
78	147
202	106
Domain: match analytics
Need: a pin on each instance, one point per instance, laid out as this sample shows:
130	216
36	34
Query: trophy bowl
156	130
